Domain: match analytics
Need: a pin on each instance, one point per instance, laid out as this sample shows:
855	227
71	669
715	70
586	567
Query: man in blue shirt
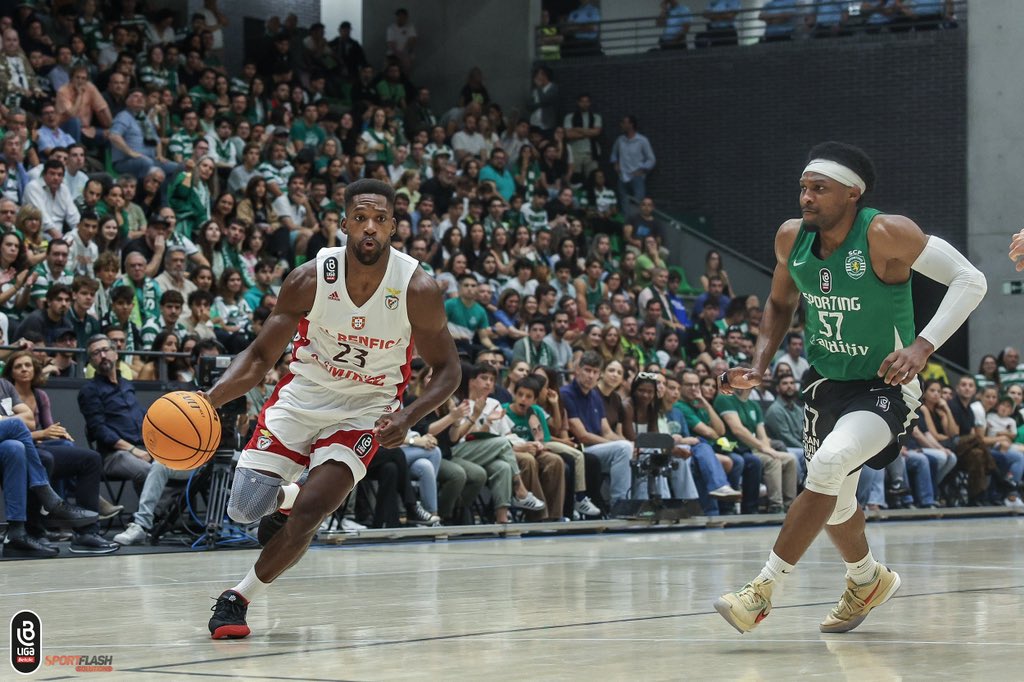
780	18
633	159
676	20
582	32
496	171
135	142
113	416
589	426
721	30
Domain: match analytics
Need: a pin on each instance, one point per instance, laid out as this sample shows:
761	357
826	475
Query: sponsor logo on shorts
358	322
334	296
391	302
883	403
855	264
826	280
331	270
363	445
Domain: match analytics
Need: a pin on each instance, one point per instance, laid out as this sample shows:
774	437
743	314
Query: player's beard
369	258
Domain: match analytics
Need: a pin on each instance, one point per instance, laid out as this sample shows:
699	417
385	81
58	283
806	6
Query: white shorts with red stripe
303	425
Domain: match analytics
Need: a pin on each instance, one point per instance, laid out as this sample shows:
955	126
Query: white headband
836	171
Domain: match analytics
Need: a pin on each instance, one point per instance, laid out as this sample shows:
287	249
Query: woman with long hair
628	271
451	244
601	249
487	271
256	207
523	246
204	278
15	277
475	245
257	111
500	251
57	451
566	253
113	204
165	342
470	168
610	347
590	339
223	210
29	222
409	185
110	238
230	312
518	370
252	252
935	432
617	410
988	373
506	326
455	267
380	143
190	192
713	266
210	240
526	171
671	348
527	311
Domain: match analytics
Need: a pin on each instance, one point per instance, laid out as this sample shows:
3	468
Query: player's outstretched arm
777	318
436	347
906	247
294	301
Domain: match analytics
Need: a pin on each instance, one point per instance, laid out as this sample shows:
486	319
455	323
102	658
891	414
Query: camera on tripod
209	370
654	456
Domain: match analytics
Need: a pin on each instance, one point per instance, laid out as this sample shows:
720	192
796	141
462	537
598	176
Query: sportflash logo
26	642
84	664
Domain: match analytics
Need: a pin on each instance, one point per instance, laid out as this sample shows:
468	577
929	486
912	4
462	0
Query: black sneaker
228	621
28	547
72	515
269	525
92	543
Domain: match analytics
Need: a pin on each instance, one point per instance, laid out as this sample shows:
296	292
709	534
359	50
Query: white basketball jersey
364	352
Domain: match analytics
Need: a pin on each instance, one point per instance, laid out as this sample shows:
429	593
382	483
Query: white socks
251	587
775	569
862	572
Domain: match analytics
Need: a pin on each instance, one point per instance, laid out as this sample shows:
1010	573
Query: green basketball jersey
854	320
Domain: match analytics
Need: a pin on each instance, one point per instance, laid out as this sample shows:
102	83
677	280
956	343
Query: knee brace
253	495
837	455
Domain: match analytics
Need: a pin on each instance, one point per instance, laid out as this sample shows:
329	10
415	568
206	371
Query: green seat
684	287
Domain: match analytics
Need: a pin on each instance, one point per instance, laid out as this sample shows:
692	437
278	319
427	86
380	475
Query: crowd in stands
721	22
152	204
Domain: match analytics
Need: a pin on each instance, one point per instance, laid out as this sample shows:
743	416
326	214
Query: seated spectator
29	222
780	18
83	250
744	423
744	467
830	19
784	420
467	319
495	454
83	295
166	341
52	318
136	144
533	349
648	417
145	291
171	304
938	428
54	270
530	437
79	103
113	417
60	457
589	427
173	277
49	195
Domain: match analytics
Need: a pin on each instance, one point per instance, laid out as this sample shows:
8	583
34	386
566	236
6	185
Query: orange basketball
181	430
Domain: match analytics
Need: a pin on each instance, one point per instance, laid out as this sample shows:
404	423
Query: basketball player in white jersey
354	313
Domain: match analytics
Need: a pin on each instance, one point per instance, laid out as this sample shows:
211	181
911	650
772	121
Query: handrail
634	35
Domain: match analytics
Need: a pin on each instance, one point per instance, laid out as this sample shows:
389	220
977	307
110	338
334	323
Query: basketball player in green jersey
851	265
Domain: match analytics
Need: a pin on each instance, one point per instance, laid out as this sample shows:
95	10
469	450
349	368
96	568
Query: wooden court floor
598	607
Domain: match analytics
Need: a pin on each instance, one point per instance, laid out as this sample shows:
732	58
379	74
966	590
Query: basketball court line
164	668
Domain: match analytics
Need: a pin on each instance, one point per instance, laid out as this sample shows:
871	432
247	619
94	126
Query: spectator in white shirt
401	40
74	177
50	196
83	249
468	141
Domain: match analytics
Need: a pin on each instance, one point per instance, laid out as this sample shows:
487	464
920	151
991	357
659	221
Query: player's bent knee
836	457
844	511
253	495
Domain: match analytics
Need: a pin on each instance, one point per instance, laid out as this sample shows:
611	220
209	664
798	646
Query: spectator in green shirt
744	423
305	131
467	319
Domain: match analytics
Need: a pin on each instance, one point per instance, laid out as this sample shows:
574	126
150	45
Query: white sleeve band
967	286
